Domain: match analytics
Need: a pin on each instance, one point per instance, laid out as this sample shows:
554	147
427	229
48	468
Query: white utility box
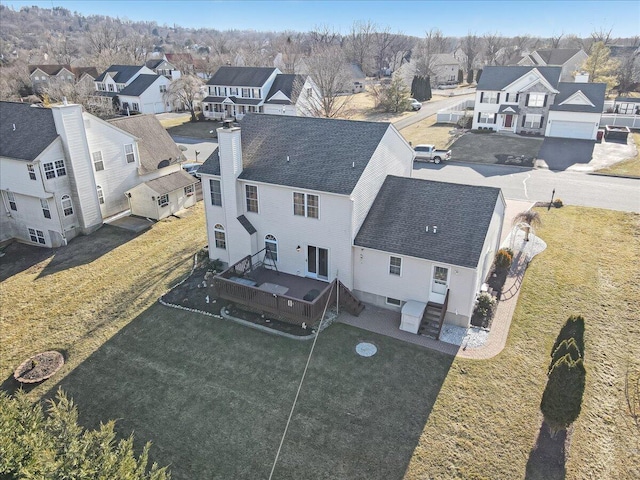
412	313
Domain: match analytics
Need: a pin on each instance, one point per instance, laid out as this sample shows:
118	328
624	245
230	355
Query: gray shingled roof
139	85
248	226
557	56
593	91
49	69
496	78
155	145
171	182
405	206
285	83
122	73
211	165
241	76
324	154
152	64
34	130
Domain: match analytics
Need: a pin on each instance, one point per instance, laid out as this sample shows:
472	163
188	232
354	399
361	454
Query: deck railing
443	312
290	309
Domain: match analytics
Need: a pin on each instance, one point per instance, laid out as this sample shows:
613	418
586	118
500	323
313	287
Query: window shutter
495	118
526	102
481	96
517	96
544	103
541	121
498	98
479	115
524	119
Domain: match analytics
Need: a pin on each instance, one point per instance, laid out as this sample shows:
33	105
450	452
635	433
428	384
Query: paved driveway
494	148
562	153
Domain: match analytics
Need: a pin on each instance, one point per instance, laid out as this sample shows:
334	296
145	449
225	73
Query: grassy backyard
429	132
213	397
628	167
183	127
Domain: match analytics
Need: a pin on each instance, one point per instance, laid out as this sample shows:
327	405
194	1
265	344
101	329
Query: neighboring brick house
328	199
533	100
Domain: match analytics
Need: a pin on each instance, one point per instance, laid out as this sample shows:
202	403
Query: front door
439	284
317	262
508	120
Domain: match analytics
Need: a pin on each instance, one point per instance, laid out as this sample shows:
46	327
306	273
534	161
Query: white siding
29	214
70	125
118	176
142	203
393	156
215	215
372	278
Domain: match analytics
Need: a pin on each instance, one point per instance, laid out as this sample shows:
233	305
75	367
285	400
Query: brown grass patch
629	166
429	132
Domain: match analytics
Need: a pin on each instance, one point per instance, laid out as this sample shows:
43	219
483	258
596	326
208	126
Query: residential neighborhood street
431	108
573	188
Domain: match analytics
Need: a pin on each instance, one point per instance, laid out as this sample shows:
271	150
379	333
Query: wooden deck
297	286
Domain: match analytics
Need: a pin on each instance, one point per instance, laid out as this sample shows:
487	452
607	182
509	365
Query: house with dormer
236	91
299	207
71	176
43	75
568	59
533	101
134	88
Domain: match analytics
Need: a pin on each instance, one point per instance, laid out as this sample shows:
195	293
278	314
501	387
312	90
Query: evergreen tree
478	75
573	328
562	398
566	347
470	76
460	76
35	445
395	96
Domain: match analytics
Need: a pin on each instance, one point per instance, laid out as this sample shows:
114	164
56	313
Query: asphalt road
431	108
573	188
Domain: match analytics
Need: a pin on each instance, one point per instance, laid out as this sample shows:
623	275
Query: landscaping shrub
566	347
485	305
465	122
504	258
483	130
573	328
557	203
562	398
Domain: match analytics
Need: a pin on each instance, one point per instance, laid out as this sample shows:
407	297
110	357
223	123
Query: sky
454	17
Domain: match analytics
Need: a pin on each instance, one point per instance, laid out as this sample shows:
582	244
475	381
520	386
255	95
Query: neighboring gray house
570	59
43	75
533	100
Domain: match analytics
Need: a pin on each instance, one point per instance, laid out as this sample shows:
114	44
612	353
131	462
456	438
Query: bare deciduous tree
554	40
324	36
359	45
185	91
470	47
328	69
492	42
628	69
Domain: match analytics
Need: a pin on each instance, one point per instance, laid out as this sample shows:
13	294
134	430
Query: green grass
628	167
214	397
486	418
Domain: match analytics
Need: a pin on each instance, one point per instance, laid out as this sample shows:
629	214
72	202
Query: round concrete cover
365	349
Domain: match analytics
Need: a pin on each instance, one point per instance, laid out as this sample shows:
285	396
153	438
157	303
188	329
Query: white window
252	198
100	195
512	97
100	87
219	236
67	206
45	208
489	118
233	91
128	152
394	301
32	172
216	193
98	164
256	93
305	204
395	266
110	87
12	201
536	100
36	236
135	107
271	247
53	169
49	171
60	170
246	92
163	200
189	190
532	121
489	97
163	88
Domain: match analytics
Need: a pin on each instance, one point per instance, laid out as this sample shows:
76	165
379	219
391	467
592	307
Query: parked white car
415	104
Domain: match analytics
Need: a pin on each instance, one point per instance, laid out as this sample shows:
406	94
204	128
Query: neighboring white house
333	199
236	91
43	75
64	180
569	59
533	100
134	88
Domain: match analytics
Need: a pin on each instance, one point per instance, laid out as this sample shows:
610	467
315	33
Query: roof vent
14	127
353	164
426	229
435	229
287	158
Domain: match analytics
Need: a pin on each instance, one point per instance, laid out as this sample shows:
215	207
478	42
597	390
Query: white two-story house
134	88
533	100
66	179
334	199
236	91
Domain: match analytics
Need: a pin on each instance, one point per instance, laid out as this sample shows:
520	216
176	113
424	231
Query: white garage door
159	107
147	108
582	130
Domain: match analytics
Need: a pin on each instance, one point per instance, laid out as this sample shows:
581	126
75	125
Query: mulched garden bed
198	293
39	367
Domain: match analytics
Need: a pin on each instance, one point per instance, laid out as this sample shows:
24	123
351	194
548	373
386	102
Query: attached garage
567	129
159	107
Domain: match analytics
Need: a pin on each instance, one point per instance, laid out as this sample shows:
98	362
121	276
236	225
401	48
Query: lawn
628	167
486	418
183	127
429	132
214	397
